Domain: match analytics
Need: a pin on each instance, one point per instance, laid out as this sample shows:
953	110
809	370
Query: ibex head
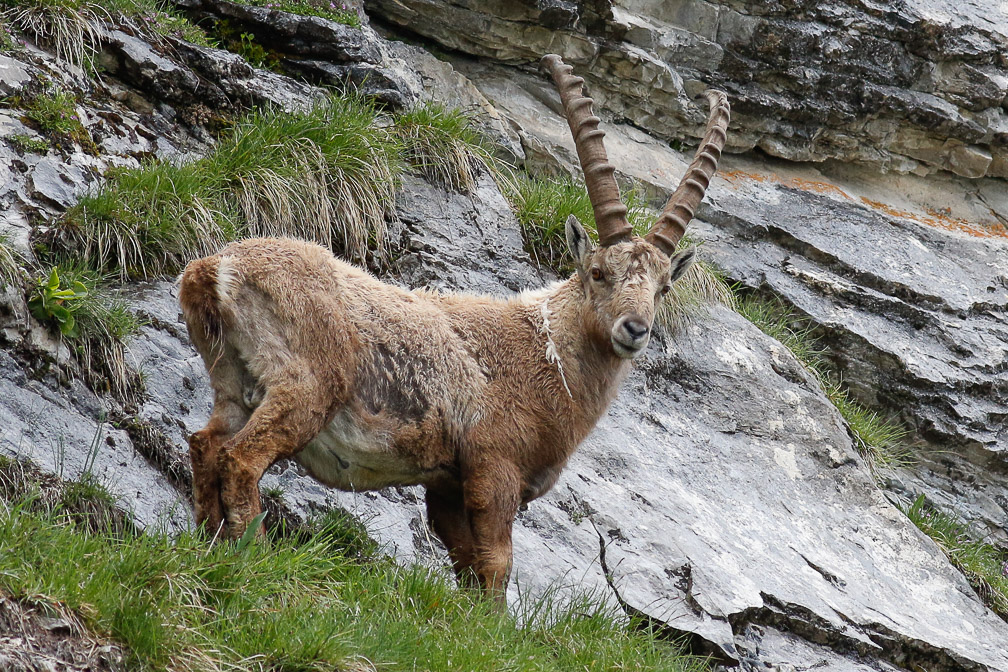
626	277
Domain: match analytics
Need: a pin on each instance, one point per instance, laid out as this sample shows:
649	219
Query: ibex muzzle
482	400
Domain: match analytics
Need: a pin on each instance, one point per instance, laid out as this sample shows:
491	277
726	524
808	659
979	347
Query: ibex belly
346	456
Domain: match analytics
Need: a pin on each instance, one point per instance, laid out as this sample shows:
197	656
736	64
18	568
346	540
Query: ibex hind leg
289	417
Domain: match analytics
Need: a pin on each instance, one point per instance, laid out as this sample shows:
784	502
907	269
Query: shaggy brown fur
368	385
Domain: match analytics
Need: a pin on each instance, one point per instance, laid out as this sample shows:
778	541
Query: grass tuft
84	502
153	19
983	564
304	604
880	441
72	28
10	261
327	175
445	147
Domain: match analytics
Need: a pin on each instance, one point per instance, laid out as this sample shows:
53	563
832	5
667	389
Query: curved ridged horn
668	230
610	213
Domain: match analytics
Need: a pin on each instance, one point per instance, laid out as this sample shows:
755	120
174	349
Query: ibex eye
596	274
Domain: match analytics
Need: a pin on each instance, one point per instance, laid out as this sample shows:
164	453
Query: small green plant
984	564
95	321
882	442
54	113
444	145
253	52
321	8
245	45
28	143
55	302
9	42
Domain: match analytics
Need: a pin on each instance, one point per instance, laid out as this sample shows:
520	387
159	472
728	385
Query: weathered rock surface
910	86
319	50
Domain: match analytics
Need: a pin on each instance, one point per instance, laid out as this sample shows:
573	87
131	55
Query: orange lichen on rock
824	188
934	218
945	221
736	175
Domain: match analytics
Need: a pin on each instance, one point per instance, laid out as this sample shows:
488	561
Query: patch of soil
43	638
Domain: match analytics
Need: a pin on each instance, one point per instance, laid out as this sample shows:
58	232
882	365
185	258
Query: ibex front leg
447	514
289	417
204	452
492	496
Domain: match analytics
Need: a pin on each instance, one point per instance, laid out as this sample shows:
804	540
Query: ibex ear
681	262
578	242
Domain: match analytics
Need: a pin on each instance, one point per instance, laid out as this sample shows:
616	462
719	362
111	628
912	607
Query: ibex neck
585	360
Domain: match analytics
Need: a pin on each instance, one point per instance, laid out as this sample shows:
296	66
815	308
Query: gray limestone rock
13	75
808	82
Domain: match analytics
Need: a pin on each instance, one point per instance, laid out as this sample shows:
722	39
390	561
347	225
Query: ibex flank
481	400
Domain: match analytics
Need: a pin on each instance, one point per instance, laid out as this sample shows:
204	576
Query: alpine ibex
482	400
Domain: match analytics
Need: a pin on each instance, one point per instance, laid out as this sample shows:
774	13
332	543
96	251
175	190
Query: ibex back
481	400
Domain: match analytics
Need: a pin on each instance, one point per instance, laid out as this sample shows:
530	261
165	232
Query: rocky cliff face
912	86
722	496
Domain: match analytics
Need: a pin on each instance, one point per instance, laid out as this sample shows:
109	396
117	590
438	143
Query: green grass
445	147
327	175
983	564
542	206
54	114
880	441
333	11
308	603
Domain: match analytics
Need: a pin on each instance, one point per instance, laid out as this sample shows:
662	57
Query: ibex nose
630	335
636	327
